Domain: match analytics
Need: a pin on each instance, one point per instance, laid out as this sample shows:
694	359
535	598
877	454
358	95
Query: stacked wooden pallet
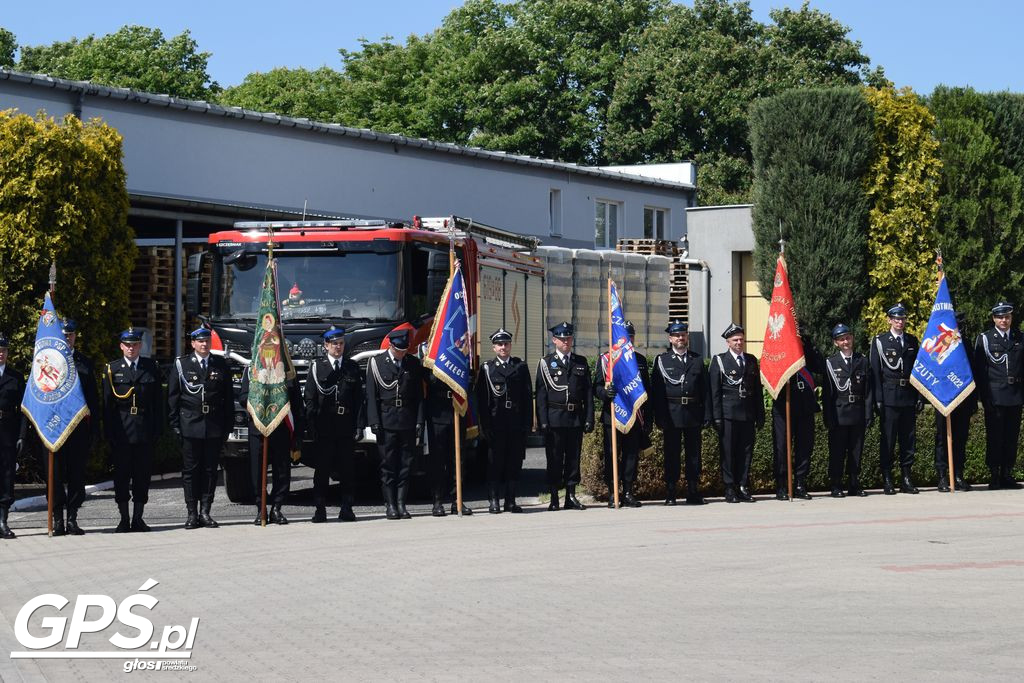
152	296
649	247
679	290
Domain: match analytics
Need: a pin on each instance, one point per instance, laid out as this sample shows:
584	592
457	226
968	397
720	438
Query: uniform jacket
675	378
848	392
600	370
999	368
736	394
131	402
87	376
334	399
503	397
564	397
805	400
891	368
212	389
394	402
12	420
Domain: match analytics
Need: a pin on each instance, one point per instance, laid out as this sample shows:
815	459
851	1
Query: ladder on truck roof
467	227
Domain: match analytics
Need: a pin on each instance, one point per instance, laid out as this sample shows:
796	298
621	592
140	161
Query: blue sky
920	43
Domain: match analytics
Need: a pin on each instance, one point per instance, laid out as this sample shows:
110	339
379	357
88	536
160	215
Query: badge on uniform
554	364
133	411
206	409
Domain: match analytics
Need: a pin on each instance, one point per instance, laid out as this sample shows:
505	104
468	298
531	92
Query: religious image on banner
54	401
450	343
782	355
942	370
630	392
270	367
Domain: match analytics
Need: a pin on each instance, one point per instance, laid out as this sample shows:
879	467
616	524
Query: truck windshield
361	286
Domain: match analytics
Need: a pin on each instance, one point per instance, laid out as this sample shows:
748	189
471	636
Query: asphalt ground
923	587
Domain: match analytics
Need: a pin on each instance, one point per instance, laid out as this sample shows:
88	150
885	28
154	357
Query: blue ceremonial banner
942	371
448	347
54	401
630	392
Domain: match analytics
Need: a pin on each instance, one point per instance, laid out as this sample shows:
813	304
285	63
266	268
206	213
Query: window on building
606	224
555	213
655	222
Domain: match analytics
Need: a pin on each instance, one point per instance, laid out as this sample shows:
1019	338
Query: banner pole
455	408
789	439
949	452
49	496
611	405
263	488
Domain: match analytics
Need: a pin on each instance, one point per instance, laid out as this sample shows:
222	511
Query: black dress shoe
780	494
494	507
671	500
859	492
572	503
744	495
695	499
345	514
887	487
670	495
259	517
907	486
403	512
277	516
438	509
628	500
205	519
801	491
139	524
1008	482
995	483
611	503
961	484
73	528
837	492
730	496
192	520
511	506
319	515
58	526
391	512
943	484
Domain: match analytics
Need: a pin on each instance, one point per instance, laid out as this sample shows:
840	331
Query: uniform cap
630	330
333	332
1002	308
3	340
201	332
69	325
839	330
676	326
563	330
732	331
897	311
399	339
501	335
131	335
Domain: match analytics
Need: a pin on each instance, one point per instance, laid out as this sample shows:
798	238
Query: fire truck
375	276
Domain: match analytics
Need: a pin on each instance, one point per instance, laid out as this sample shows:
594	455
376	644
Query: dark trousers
397	448
629	454
675	440
1002	430
279	458
333	452
505	457
562	447
961	423
441	458
8	460
845	448
69	469
898	425
132	464
802	428
199	461
737	450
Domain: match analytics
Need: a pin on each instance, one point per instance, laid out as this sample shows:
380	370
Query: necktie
337	364
739	359
847	359
202	364
902	345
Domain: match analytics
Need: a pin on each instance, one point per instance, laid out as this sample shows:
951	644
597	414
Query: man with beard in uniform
999	364
960	420
334	397
201	411
565	411
131	418
505	404
848	408
682	407
394	411
13	427
738	411
630	443
892	355
440	424
801	422
69	462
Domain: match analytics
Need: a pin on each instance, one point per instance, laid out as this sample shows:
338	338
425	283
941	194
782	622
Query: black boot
887	487
204	515
277	515
837	490
856	489
801	490
58	522
906	485
259	515
943	481
125	525
744	494
553	505
466	511
346	514
192	519
693	496
493	501
611	498
1007	479
139	524
995	482
628	499
510	498
571	502
391	507
730	495
961	483
320	511
73	528
780	493
5	531
438	510
670	494
400	502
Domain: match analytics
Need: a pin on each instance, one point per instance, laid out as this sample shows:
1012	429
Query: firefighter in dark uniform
960	420
394	411
334	396
801	422
682	407
201	410
632	442
280	444
848	403
999	364
69	462
440	425
738	411
12	433
892	357
565	411
132	421
504	401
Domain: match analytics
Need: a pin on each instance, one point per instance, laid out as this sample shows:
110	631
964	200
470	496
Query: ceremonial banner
448	347
270	367
54	401
783	352
942	370
630	392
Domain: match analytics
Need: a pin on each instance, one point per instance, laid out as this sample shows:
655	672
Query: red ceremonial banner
783	353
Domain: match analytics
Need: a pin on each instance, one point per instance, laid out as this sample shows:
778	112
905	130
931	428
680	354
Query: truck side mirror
194	287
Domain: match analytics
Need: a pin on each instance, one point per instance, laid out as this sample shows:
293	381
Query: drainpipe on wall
705	279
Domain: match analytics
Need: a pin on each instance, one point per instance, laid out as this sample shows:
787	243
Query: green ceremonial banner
270	367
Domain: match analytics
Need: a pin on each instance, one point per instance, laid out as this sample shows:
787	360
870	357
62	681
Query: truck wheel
238	480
